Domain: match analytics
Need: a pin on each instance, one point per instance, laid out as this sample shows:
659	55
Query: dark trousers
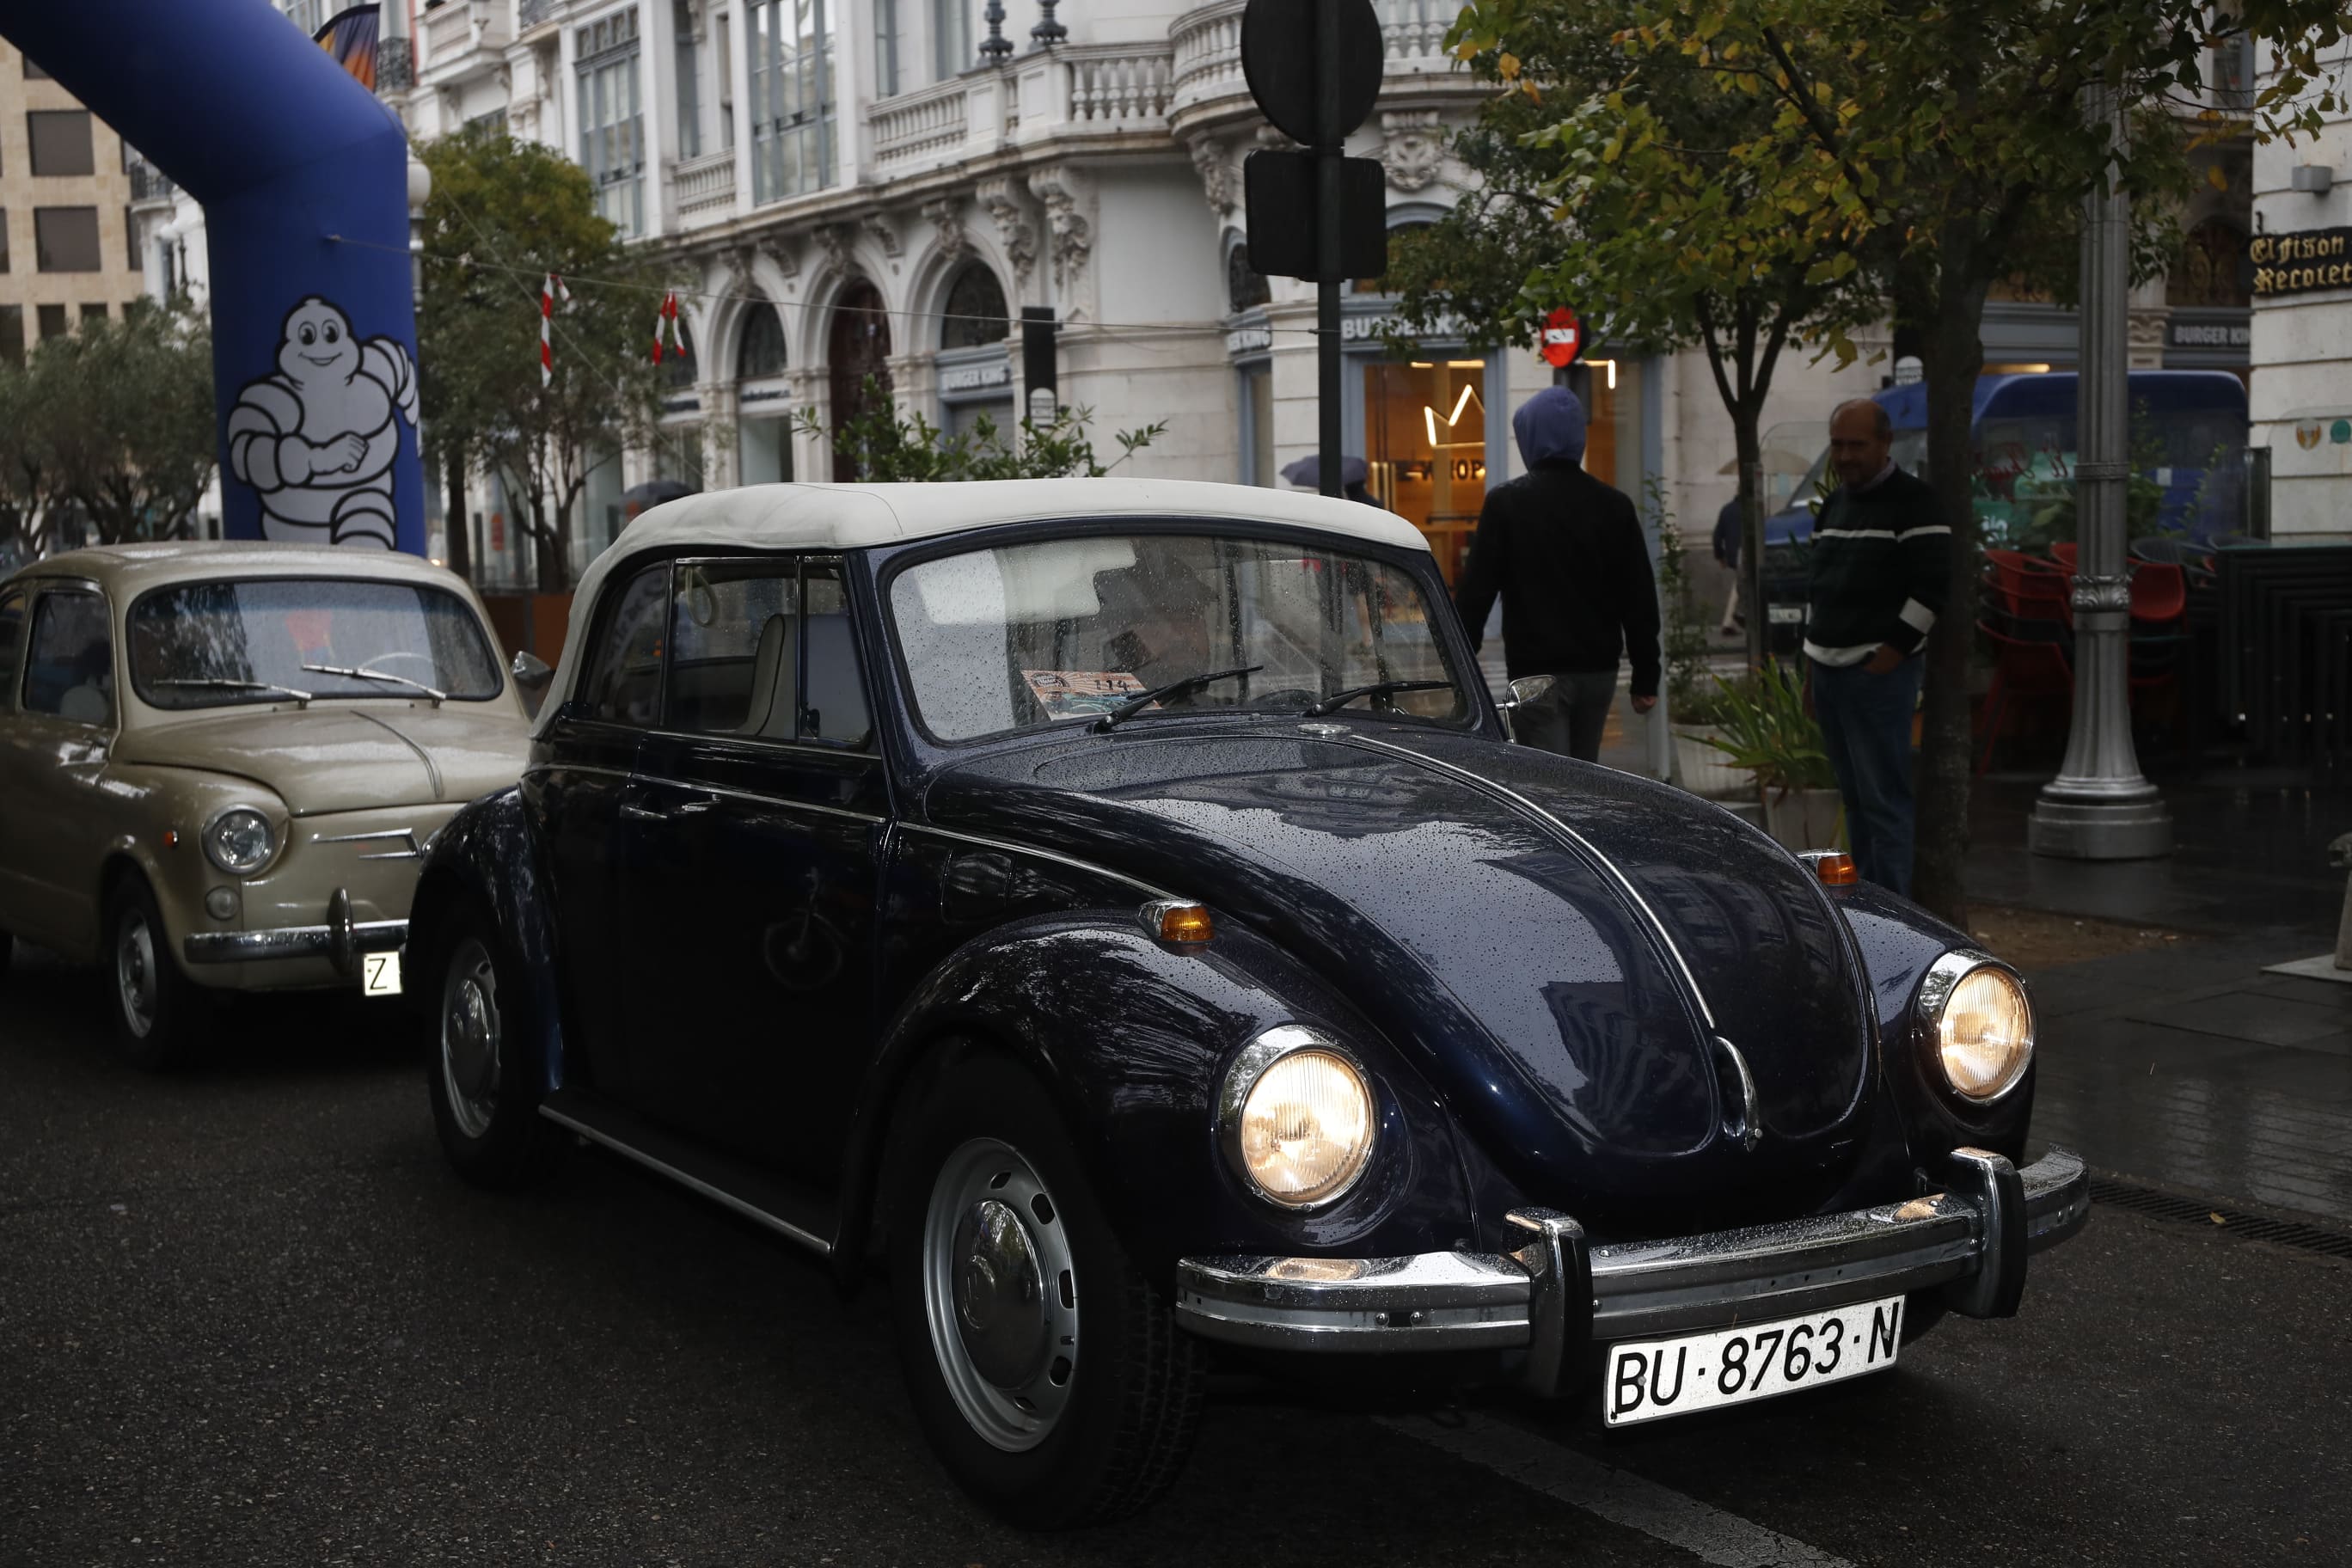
1569	718
1867	725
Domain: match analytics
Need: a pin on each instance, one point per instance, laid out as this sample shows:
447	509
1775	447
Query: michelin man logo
316	439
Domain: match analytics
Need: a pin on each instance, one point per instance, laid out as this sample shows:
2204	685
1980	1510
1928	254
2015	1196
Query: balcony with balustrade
463	38
1206	68
701	191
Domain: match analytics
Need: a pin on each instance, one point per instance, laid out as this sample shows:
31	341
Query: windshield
209	645
1031	635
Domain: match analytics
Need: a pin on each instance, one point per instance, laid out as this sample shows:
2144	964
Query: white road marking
1618	1496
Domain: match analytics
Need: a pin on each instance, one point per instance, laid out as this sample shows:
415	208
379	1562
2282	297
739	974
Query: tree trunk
1952	356
547	549
1747	434
454	522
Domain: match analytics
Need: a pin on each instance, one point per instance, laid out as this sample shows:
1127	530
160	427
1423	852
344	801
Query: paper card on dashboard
1081	693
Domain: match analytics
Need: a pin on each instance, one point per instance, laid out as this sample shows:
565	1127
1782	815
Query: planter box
1802	818
1703	771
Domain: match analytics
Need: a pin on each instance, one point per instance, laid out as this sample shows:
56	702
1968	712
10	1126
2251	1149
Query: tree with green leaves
1933	147
114	420
888	448
502	215
1699	248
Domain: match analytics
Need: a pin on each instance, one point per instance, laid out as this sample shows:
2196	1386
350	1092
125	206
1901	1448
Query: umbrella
1308	471
651	494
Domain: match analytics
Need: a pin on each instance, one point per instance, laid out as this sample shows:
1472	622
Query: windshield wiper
353	672
1339	699
222	683
1142	700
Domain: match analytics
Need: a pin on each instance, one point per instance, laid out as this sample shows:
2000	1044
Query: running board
791	1210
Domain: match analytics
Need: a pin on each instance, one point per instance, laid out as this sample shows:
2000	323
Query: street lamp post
2100	807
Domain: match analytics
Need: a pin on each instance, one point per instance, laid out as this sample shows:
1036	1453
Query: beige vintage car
220	765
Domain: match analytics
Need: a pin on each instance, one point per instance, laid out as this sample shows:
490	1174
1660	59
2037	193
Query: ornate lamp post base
2099	825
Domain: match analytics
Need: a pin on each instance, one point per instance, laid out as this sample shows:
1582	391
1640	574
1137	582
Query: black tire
159	1016
1132	1387
481	1067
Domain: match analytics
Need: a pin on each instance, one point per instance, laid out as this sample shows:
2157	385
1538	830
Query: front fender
1132	1038
487	856
1898	941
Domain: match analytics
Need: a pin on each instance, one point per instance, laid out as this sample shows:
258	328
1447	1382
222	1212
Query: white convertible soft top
852	517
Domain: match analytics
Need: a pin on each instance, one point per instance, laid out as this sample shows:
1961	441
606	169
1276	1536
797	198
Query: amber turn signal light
1172	920
1836	869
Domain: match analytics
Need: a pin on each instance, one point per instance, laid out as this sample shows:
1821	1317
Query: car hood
325	758
1558	947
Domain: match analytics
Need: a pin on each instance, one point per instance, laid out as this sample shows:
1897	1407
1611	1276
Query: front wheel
1049	1375
159	1014
482	1074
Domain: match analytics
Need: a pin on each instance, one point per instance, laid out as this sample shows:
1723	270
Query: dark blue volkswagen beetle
1116	906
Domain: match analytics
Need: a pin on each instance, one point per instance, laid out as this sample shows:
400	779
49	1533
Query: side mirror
1813	505
1527	689
530	672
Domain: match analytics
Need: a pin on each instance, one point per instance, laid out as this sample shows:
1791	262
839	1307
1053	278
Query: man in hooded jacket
1567	554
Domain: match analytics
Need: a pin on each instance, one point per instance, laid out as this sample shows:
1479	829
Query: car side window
734	637
625	685
833	703
12	644
70	662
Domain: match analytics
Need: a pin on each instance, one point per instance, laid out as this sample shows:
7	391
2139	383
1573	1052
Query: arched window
975	310
2212	266
1245	287
762	351
678	370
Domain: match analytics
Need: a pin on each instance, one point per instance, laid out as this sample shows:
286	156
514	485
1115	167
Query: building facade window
886	43
690	86
12	334
4	239
950	38
61	142
791	69
975	313
612	118
97	312
763	445
1245	286
53	322
2214	269
64	239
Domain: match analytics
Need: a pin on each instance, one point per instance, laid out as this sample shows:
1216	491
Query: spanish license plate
1787	615
1658	1378
379	974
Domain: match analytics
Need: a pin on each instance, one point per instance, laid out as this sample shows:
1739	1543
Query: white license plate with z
1657	1378
380	974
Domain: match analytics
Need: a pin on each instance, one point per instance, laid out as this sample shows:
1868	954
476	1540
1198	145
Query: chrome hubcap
134	972
470	1037
1001	1294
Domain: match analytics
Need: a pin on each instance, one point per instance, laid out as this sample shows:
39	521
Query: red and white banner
668	326
549	293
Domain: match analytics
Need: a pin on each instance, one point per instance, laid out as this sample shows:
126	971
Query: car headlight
240	841
1296	1117
1983	1027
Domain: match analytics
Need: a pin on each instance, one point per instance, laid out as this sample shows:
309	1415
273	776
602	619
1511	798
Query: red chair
2030	590
2063	553
2022	671
2159	594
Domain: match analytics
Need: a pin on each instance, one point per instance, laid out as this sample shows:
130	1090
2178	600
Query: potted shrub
1766	732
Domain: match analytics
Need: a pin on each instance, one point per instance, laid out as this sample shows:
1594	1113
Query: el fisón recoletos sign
2301	262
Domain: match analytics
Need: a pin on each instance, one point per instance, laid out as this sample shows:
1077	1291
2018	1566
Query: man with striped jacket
1882	562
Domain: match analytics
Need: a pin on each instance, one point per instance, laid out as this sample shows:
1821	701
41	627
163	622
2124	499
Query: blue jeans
1866	726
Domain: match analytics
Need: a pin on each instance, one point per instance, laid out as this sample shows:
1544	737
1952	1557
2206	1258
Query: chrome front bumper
1558	1293
342	940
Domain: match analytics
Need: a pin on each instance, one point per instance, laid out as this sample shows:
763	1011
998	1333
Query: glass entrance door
1425	442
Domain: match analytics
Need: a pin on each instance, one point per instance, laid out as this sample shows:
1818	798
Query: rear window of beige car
207	645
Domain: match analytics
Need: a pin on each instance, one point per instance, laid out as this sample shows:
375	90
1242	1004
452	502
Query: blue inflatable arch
303	177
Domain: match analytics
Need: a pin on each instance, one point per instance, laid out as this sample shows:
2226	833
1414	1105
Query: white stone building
2301	398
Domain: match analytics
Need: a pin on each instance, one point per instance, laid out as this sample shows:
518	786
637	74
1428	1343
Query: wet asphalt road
247	1317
